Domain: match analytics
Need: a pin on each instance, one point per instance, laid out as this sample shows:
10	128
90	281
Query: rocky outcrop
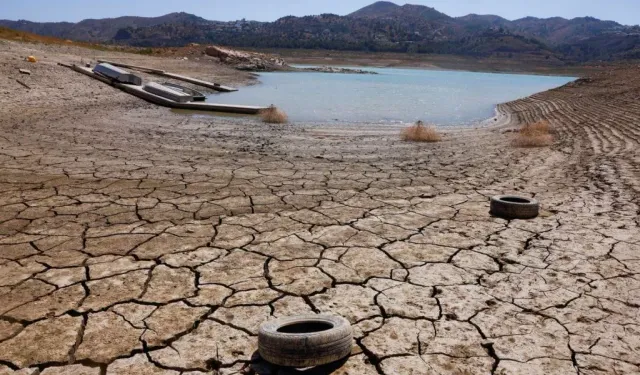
248	61
261	62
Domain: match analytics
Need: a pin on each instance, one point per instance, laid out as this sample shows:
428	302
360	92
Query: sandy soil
136	240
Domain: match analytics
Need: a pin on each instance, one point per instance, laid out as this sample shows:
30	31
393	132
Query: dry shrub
534	135
539	127
274	115
420	133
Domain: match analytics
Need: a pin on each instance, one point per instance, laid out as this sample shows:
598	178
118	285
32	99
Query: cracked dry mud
134	240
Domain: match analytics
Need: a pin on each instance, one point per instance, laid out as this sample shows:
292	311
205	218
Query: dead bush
537	134
420	133
274	115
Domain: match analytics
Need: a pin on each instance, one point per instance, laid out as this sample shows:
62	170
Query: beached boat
197	95
117	74
167	92
140	92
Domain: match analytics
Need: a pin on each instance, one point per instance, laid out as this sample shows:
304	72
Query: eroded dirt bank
135	240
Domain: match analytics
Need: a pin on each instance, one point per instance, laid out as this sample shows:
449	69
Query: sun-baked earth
136	240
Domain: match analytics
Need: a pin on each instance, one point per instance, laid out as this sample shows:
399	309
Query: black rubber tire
513	207
305	349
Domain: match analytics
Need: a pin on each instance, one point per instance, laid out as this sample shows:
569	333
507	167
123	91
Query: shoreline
535	66
442	69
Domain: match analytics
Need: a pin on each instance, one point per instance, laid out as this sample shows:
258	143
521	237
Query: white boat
197	95
117	74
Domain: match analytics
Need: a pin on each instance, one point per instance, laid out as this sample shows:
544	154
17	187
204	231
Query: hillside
382	26
385	9
100	30
25	36
559	30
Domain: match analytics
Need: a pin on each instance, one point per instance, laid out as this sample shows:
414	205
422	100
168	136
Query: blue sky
623	11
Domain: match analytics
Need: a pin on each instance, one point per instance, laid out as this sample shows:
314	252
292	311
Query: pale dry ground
134	240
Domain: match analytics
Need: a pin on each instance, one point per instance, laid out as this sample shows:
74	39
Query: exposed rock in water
260	66
331	69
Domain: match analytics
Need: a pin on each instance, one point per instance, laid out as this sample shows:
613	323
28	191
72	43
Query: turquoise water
392	96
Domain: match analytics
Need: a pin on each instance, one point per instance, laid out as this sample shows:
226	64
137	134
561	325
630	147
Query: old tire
305	341
512	207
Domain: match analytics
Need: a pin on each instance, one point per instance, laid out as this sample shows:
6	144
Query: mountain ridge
381	26
375	10
97	30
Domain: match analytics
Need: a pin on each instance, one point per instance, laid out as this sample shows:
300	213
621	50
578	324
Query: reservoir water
445	98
